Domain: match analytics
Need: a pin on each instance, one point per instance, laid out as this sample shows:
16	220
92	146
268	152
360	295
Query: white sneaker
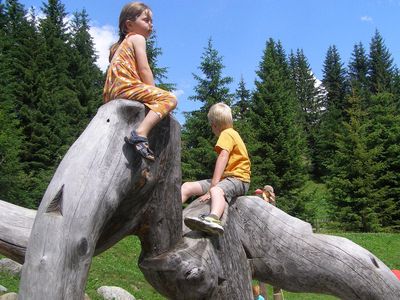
205	223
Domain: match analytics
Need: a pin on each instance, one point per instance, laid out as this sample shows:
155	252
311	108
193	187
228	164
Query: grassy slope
118	266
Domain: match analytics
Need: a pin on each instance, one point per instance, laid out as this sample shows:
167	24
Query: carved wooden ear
56	205
163	262
129	113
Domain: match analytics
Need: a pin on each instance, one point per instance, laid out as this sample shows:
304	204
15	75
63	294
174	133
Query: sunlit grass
118	267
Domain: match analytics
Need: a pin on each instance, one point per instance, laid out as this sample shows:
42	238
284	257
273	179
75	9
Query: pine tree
335	84
354	184
384	130
310	97
396	87
198	157
358	71
88	78
3	17
56	116
17	79
279	152
242	103
383	124
241	115
159	73
334	80
381	70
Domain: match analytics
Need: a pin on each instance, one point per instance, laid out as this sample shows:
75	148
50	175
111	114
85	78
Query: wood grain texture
290	256
15	228
97	196
103	191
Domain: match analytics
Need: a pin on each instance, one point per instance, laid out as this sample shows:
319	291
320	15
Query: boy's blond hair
220	115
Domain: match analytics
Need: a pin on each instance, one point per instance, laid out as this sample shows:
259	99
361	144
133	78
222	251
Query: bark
97	196
103	191
15	228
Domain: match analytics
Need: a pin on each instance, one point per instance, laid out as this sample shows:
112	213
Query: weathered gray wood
103	191
15	228
200	266
97	196
290	256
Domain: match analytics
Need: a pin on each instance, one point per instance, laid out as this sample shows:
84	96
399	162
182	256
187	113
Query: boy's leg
190	189
229	188
217	201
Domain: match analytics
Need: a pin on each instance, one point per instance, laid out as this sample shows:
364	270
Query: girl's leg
148	123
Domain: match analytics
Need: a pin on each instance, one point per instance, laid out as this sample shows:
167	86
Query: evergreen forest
330	148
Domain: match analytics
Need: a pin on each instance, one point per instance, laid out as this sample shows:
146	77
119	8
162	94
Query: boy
231	176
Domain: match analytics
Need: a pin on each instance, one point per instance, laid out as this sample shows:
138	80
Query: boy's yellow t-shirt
238	163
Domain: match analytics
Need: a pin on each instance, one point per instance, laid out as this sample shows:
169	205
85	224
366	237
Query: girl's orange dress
123	82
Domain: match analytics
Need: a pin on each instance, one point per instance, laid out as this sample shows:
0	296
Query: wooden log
290	256
97	196
15	228
103	191
200	266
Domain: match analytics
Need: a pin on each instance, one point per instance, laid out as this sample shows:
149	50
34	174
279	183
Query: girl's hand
205	197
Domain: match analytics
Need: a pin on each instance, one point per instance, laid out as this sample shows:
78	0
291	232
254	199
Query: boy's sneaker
205	223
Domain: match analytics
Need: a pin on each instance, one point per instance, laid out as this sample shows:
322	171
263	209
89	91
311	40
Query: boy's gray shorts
231	186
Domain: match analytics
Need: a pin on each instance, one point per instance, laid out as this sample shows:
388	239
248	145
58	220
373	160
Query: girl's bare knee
174	102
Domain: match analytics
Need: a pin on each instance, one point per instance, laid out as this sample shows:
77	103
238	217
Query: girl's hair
256	290
268	188
220	115
271	192
130	11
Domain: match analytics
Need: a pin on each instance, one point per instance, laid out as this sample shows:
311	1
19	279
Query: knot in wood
196	274
43	260
145	177
82	247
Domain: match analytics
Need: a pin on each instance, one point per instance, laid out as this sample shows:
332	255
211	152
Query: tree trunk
15	228
103	191
97	196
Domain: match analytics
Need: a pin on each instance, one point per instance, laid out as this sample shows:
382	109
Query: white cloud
103	38
366	19
178	93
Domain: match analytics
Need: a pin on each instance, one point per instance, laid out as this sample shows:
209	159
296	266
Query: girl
269	195
129	75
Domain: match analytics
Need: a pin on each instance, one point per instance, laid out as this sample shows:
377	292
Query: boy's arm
219	169
220	165
145	73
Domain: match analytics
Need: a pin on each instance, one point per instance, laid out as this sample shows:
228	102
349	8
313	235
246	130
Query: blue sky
240	29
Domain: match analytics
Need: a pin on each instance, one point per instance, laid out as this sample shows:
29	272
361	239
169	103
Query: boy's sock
213	216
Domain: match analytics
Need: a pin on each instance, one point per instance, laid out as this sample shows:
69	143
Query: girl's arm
145	73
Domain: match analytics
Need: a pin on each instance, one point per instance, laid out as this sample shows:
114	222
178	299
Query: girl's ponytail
115	46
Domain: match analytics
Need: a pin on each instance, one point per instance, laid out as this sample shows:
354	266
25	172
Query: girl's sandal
141	144
145	151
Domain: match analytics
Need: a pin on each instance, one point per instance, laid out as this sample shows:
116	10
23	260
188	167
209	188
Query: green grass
115	267
118	266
